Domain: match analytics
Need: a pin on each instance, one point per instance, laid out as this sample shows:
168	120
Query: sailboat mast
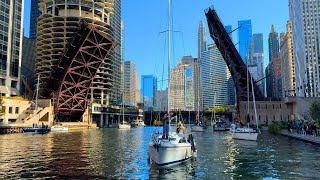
169	31
254	104
248	88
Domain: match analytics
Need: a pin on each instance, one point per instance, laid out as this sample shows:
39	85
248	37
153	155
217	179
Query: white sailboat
123	124
247	133
198	127
177	147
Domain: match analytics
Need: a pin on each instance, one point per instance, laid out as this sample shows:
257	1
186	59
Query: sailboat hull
169	155
124	126
250	136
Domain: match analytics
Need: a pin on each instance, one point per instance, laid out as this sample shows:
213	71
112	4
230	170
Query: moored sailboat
247	133
170	148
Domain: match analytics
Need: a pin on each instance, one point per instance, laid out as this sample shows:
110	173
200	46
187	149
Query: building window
17	110
10	110
14	84
2	82
12	120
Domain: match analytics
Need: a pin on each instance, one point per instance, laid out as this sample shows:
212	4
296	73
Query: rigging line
172	37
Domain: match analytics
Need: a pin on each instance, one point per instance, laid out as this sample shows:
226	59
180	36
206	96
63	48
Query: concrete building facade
11	35
197	66
162	100
115	21
215	75
305	29
177	87
129	82
137	90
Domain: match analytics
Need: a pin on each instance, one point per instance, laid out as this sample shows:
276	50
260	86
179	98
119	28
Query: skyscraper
273	42
34	14
245	39
58	23
116	65
162	100
11	35
129	82
257	58
27	67
202	45
231	88
287	62
137	90
305	30
148	91
215	74
276	82
177	87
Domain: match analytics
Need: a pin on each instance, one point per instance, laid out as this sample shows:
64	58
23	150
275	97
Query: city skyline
153	43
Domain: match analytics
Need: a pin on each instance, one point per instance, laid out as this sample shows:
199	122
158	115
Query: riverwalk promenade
307	138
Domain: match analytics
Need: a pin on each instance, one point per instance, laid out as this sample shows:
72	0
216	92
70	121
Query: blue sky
144	19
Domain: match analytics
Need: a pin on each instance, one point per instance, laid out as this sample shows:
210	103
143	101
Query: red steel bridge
70	80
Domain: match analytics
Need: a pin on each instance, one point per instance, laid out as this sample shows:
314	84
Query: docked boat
221	126
244	133
174	150
58	128
37	130
138	123
197	128
124	125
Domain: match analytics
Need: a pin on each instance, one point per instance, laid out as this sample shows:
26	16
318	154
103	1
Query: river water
114	153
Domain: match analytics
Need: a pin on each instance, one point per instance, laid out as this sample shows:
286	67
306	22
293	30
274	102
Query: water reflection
113	154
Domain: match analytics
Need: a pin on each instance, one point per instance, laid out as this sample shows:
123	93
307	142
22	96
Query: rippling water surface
114	153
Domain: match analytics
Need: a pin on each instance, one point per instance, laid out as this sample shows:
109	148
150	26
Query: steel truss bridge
71	79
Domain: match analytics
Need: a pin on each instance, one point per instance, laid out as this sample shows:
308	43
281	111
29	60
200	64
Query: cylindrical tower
58	23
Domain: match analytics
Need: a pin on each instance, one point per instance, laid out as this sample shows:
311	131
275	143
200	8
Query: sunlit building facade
129	82
305	17
215	74
202	45
287	62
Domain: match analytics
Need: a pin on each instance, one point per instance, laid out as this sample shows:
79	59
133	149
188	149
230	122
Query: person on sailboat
166	125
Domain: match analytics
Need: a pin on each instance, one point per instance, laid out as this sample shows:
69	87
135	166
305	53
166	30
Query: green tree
315	110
